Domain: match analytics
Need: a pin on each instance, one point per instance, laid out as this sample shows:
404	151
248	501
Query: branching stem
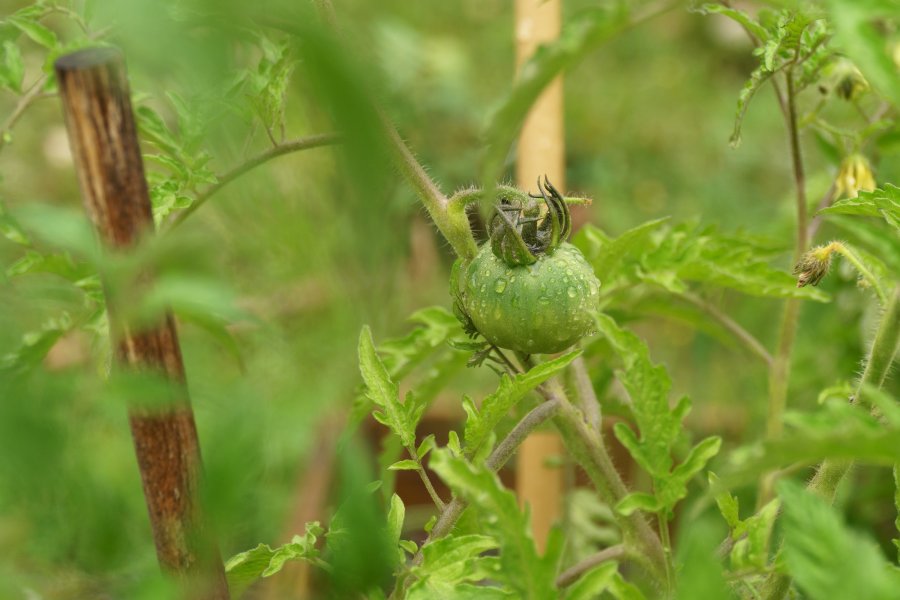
35	92
303	143
733	327
780	371
570	575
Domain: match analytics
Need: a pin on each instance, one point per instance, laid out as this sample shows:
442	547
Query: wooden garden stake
541	151
101	127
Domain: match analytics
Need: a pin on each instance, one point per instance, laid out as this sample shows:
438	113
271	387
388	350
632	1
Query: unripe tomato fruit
539	308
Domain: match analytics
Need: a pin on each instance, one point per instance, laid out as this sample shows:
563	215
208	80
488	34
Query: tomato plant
719	436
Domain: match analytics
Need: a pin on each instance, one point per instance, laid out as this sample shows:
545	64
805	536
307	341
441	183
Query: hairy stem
831	473
667	546
586	447
864	271
780	370
450	220
426	480
570	575
590	406
881	356
303	143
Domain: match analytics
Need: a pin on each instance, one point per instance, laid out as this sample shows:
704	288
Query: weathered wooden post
97	107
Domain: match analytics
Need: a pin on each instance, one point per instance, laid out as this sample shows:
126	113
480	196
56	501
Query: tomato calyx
520	234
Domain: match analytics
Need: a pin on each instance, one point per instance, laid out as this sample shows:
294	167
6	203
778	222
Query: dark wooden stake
97	107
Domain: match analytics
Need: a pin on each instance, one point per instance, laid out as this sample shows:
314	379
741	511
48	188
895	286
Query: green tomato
540	308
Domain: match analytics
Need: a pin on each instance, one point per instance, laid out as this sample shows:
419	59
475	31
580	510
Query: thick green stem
878	364
831	473
450	220
588	450
780	373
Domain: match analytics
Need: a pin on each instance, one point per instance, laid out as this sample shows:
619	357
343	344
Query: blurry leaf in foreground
828	559
358	542
856	33
700	575
580	35
838	431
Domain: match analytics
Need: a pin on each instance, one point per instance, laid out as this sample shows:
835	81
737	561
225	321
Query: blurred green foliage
273	277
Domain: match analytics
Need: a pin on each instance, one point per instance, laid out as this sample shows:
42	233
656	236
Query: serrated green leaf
480	423
752	550
404	465
263	561
610	257
758	77
383	391
422	590
593	583
34	30
154	128
671	256
12	71
728	504
438	325
395	517
453	559
740	264
527	573
883	202
36	344
826	558
425	446
739	16
697	458
674	487
453	442
648	386
658	424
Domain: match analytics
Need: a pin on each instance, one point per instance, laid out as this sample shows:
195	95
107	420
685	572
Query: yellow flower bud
855	175
814	265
